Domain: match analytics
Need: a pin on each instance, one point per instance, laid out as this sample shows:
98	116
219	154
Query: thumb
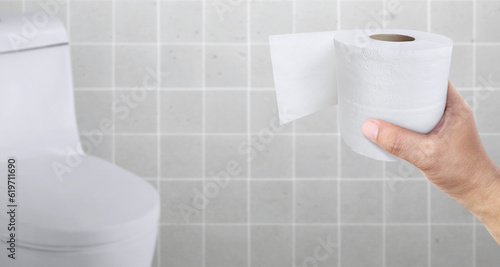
396	140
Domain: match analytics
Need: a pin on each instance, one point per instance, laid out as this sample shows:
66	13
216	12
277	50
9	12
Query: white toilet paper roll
399	76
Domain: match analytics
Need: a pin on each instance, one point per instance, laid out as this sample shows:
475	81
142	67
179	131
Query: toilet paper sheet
403	81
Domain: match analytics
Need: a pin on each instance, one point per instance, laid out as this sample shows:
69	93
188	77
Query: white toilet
72	209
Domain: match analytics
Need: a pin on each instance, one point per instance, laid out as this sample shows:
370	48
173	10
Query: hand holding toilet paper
399	76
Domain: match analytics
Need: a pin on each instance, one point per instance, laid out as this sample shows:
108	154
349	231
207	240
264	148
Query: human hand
451	156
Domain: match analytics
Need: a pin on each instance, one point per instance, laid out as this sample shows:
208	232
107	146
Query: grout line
158	120
213	134
429	15
339	166
294	159
318	224
231	44
225	89
243	134
475	103
183	89
68	22
113	79
429	229
384	215
248	133
171	43
301	179
203	140
315	0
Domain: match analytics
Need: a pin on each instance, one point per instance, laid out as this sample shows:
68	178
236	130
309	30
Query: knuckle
393	144
428	155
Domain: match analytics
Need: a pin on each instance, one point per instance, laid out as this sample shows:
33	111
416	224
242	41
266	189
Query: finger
456	112
406	144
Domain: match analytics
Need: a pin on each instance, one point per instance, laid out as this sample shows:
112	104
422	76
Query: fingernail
370	130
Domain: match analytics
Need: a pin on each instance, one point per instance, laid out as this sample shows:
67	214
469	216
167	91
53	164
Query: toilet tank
36	87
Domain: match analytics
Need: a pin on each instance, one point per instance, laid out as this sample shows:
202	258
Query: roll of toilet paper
399	76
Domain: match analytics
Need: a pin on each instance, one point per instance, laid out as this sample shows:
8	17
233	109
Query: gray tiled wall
292	188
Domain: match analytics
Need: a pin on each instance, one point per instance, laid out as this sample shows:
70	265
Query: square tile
11	6
446	210
360	14
461	68
406	202
316	156
492	146
223	155
182	65
182	202
316	246
361	201
264	113
361	246
226	21
226	65
487	19
487	111
138	154
98	144
181	112
413	16
351	161
226	246
261	69
93	110
401	169
270	155
135	21
189	253
181	156
268	18
91	21
58	9
181	21
135	66
323	121
486	248
406	246
487	69
271	246
135	111
315	16
92	65
226	112
229	204
155	262
316	201
271	202
451	246
452	19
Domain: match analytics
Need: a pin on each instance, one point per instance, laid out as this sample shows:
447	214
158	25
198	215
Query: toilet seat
73	209
79	211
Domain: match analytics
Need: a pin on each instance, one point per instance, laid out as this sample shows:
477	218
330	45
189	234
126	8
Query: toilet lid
91	202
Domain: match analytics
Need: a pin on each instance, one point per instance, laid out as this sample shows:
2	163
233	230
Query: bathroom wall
291	189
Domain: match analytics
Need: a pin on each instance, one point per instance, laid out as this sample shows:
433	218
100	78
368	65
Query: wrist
484	200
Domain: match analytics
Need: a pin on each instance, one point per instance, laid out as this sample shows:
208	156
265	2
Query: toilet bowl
58	205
